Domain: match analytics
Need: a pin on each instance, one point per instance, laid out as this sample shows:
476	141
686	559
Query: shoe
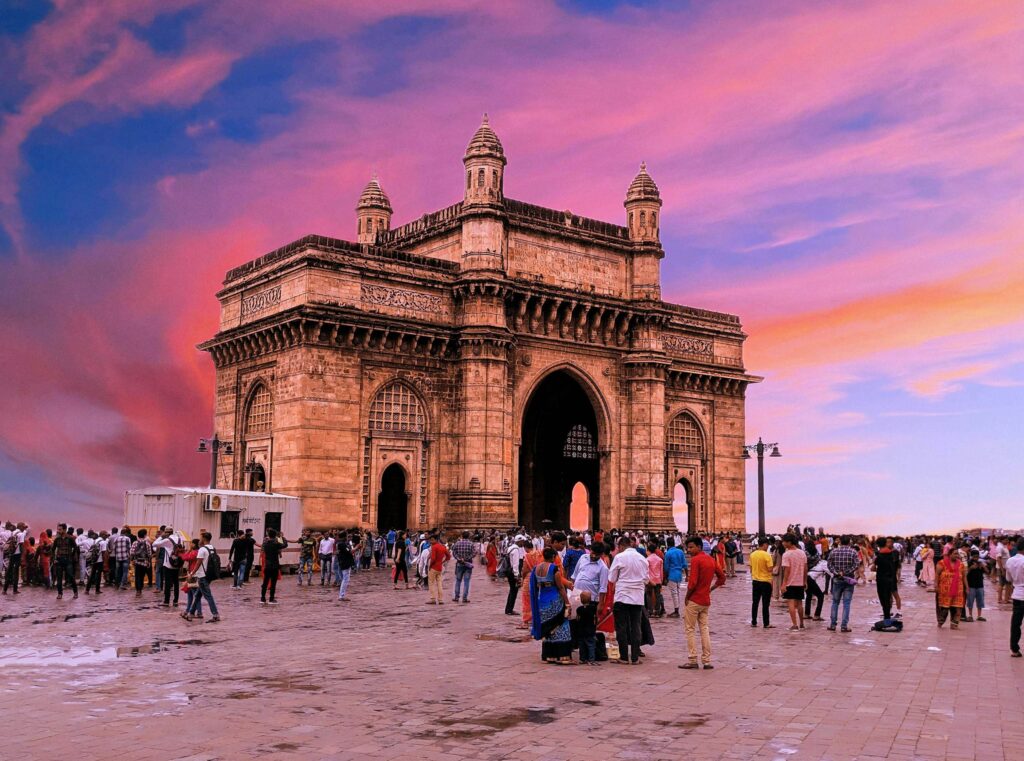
980	618
708	666
754	624
214	620
687	666
263	602
832	628
1016	654
455	599
272	602
673	614
642	654
846	629
968	619
186	616
74	596
465	601
769	626
60	595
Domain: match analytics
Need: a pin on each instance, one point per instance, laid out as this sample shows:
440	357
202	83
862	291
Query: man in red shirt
705	577
439	555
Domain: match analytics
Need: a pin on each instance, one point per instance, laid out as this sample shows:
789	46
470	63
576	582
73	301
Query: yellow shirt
760	566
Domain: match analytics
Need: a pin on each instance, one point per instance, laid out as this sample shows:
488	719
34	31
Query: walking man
65	561
761	577
307	548
202	565
142	560
464	551
515	554
675	568
345	561
1014	574
705	578
843	562
119	548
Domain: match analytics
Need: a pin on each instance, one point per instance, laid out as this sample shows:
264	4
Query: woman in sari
491	556
549	603
927	577
719	554
950	589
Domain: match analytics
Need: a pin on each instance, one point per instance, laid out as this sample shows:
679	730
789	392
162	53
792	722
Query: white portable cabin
222	512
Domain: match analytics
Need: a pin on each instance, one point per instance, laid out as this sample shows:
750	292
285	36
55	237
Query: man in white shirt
171	565
202	563
1014	571
11	548
326	551
84	542
629	573
515	554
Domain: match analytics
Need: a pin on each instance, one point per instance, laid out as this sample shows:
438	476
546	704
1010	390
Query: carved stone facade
469	368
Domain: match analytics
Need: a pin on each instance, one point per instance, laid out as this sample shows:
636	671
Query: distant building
473	366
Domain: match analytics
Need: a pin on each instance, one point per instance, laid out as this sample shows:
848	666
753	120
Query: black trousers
813	590
95	576
171	585
401	570
1016	619
762	597
884	587
513	593
270	575
141	572
627	629
65	571
13	574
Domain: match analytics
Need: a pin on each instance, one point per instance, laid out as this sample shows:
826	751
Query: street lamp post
214	446
760	448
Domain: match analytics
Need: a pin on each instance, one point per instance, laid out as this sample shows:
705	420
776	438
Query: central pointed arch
563	430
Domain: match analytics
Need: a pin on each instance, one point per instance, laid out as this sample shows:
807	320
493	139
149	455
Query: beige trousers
434	583
693	616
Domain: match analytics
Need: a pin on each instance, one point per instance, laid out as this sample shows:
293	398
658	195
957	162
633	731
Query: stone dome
374	197
642	188
485	142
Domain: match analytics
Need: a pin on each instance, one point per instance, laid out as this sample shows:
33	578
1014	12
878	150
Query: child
586	628
975	586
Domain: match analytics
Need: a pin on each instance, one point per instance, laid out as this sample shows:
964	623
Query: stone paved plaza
388	677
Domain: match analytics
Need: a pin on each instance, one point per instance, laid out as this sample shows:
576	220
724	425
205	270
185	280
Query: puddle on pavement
687	722
131	651
862	642
935	649
76	656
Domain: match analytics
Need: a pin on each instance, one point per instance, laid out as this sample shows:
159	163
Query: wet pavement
387	677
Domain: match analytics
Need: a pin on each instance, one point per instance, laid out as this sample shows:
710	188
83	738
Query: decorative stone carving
685	345
260	301
399	298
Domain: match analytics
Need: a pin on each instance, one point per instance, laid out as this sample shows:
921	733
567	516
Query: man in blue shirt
591	574
391	537
675	569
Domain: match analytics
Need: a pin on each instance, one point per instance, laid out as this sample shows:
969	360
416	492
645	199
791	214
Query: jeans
204	590
239	574
696	616
1015	622
326	569
160	570
513	593
121	574
588	647
343	584
762	597
627	629
463	573
976	598
306	563
65	573
841	589
194	602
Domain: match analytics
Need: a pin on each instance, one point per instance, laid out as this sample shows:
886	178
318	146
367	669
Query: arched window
494	179
684	436
630	220
654	220
359	226
396	408
579	444
480	179
380	225
643	219
469	180
259	418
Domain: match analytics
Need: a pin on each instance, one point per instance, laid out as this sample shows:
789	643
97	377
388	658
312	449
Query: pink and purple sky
847	177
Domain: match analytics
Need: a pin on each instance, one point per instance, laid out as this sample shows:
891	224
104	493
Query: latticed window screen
396	408
684	436
261	412
579	444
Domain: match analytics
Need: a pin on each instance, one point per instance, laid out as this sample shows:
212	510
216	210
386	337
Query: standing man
391	536
142	560
236	559
12	551
439	555
345	561
705	578
515	554
629	573
170	547
307	548
843	562
1014	574
794	580
65	560
761	577
250	554
731	553
885	567
273	545
464	551
325	552
675	568
119	548
591	574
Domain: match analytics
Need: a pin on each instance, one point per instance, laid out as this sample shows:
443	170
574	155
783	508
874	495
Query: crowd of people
592	592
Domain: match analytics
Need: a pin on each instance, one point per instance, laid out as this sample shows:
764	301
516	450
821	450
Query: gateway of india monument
473	367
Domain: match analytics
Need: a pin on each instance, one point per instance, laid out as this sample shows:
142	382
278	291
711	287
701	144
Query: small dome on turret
485	143
374	197
643	188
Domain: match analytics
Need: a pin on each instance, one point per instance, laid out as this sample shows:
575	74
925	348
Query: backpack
176	561
94	554
212	565
888	625
504	567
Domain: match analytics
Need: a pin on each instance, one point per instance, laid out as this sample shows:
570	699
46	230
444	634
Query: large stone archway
560	436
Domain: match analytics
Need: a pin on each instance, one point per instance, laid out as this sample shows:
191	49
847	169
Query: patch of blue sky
17	17
390	49
167	34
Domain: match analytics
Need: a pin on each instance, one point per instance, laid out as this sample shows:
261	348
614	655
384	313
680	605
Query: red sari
492	559
605	619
